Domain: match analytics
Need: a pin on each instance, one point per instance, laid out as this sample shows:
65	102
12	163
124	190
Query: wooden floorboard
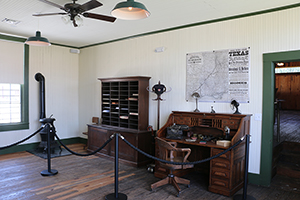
289	126
92	177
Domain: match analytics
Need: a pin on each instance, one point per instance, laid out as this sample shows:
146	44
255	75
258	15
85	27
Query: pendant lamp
37	40
130	10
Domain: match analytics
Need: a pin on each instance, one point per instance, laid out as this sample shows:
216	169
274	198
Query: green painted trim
25	91
12	38
34	145
14	126
267	123
268	111
19	148
198	24
24	124
20	39
74	140
253	178
62	45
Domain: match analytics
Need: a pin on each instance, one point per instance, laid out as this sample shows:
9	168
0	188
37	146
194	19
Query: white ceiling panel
165	14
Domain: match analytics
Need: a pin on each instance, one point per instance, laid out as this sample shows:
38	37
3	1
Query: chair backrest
169	151
165	149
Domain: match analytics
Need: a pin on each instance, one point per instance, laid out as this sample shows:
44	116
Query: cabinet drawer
221	173
221	163
217	151
220	182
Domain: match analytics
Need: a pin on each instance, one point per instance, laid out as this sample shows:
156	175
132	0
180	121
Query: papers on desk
190	140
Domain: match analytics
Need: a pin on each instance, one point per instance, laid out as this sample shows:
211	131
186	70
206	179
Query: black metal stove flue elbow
41	79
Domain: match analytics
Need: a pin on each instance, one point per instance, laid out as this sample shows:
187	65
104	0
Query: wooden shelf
125	102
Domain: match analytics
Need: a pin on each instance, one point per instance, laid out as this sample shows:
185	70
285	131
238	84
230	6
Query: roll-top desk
226	173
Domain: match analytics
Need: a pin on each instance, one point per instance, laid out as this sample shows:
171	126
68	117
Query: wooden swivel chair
168	151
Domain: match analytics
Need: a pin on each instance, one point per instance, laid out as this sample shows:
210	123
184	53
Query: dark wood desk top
196	143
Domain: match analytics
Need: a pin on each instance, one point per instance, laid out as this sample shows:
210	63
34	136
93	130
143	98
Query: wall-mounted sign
218	76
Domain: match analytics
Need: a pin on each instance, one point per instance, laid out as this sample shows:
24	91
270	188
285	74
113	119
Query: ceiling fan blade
90	5
100	17
47	14
53	4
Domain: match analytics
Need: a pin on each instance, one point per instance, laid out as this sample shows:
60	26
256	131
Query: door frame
269	60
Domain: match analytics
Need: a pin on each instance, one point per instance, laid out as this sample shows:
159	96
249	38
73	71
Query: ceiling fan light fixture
130	10
37	40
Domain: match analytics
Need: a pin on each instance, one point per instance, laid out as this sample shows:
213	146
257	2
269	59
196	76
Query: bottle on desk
227	133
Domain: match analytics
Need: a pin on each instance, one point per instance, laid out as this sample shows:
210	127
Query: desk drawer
215	151
231	123
220	182
220	163
221	173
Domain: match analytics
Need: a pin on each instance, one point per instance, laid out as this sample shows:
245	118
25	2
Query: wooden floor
289	126
88	178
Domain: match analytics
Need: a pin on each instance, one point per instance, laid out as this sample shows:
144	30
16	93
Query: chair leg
182	180
173	180
164	181
174	183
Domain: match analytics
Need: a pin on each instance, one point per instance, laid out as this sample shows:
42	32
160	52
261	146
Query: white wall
60	69
272	32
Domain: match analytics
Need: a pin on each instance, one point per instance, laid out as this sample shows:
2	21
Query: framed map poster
218	76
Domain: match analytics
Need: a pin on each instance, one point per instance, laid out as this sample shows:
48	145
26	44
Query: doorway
269	61
287	103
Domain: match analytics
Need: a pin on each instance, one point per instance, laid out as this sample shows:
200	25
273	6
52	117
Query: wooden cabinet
98	135
226	172
125	102
124	109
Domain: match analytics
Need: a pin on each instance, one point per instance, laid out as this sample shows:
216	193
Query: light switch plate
257	116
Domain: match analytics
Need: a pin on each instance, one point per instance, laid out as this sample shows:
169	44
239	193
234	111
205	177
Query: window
10	103
14	61
287	70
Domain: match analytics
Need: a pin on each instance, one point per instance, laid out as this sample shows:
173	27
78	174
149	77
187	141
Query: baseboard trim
25	147
254	179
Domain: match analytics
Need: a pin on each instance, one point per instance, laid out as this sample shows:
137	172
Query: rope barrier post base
244	196
112	196
46	172
116	195
49	171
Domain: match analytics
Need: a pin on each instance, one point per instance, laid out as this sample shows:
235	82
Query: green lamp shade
130	10
37	40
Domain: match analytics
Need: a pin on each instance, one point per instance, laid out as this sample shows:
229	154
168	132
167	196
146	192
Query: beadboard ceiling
165	14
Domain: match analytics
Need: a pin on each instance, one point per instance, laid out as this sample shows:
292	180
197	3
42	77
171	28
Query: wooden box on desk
226	173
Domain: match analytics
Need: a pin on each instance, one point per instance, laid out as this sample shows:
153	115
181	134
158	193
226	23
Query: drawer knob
219	183
220	174
221	164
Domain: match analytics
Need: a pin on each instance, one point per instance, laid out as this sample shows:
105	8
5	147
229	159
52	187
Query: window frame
24	124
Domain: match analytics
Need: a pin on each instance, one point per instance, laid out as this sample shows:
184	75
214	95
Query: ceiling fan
74	10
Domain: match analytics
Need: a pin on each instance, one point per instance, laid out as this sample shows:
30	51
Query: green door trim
268	111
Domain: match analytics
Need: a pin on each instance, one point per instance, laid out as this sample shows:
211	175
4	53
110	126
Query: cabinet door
96	138
125	151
